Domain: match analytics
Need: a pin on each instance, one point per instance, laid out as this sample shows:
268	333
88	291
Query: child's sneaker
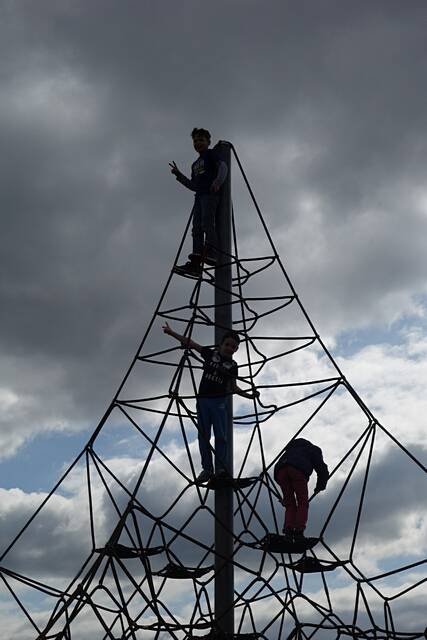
208	256
211	260
190	268
298	535
221	474
288	534
204	476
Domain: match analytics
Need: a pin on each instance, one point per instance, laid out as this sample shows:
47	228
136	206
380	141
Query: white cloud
31	404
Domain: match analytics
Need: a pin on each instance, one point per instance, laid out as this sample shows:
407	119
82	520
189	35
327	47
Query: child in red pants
292	473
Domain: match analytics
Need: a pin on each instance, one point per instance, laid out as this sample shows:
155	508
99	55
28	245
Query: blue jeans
212	412
204	212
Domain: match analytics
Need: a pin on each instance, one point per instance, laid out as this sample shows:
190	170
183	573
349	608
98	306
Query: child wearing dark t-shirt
217	382
208	173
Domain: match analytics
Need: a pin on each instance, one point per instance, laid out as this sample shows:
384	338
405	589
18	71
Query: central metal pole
224	569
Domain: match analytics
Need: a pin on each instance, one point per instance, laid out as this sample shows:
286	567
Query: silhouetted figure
292	473
208	173
218	380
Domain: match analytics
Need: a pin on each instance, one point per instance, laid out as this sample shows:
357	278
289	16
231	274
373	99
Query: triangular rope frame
121	583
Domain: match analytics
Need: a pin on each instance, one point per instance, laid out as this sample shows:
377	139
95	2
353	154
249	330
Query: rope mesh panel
145	554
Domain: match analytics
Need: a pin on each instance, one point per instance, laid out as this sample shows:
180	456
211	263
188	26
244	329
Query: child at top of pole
218	380
208	173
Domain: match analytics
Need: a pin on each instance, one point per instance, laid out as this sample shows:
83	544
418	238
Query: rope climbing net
133	556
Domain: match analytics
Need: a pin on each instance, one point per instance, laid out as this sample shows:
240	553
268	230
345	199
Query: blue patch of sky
116	441
40	463
34	600
351	341
403	560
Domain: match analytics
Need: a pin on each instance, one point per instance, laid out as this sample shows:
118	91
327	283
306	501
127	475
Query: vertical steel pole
224	570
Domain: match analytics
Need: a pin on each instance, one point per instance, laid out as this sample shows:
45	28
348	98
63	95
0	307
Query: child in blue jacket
292	473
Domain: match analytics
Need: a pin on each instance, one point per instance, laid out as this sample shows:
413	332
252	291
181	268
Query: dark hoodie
305	456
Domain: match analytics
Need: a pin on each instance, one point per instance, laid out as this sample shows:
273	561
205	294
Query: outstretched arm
181	177
184	340
245	394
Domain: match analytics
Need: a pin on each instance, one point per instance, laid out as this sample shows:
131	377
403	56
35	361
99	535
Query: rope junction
150	526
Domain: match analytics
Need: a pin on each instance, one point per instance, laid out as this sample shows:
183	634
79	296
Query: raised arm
181	177
184	340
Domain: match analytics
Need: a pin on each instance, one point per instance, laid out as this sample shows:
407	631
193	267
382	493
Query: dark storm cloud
394	490
98	98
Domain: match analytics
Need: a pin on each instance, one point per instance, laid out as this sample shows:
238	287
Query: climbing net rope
138	538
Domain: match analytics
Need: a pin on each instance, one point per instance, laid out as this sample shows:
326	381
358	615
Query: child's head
201	139
229	344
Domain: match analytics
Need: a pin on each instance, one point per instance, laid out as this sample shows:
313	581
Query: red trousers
294	487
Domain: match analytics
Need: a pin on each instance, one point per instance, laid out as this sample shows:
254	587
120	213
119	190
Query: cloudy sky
326	104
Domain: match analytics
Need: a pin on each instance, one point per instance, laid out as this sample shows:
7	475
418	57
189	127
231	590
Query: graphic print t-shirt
218	374
204	170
